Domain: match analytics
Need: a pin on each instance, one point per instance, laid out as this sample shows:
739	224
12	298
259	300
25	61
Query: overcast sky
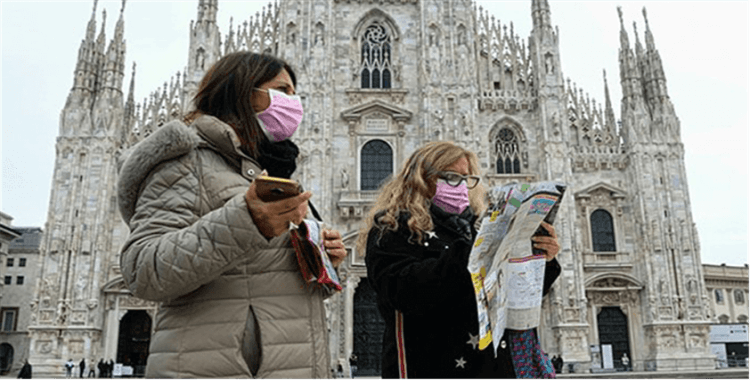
703	46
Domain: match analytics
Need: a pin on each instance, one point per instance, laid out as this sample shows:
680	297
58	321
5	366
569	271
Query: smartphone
271	189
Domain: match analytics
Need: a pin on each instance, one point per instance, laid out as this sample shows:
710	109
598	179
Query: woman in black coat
417	245
25	372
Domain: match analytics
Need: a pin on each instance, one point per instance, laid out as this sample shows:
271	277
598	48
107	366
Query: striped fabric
400	345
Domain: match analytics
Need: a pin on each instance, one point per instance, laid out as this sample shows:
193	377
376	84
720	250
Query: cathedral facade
378	79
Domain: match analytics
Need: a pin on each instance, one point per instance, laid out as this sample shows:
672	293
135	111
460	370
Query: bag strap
400	346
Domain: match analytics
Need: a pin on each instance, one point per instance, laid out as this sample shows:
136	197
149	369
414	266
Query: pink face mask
452	199
282	117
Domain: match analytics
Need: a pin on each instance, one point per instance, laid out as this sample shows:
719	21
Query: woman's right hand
273	218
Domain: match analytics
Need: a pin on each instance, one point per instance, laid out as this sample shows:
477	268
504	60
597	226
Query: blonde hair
414	186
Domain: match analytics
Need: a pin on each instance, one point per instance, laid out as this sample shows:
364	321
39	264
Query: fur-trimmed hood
171	140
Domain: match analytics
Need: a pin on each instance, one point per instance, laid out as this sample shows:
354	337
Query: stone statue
344	179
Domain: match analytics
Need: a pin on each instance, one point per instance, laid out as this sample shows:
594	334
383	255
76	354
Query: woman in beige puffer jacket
233	303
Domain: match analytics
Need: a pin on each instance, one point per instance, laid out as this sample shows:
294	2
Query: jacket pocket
251	350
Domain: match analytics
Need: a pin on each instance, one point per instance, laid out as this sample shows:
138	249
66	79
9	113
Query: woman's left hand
334	246
548	244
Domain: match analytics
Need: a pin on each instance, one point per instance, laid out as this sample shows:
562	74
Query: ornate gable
376	116
599	189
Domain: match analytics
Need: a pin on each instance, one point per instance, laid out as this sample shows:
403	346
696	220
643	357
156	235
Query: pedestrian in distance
69	368
92	369
352	365
554	364
25	372
202	243
557	362
417	241
625	361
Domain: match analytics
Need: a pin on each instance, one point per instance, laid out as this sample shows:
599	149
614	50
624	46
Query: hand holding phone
272	189
282	203
544	241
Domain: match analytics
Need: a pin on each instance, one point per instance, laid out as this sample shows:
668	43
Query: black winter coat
25	372
430	285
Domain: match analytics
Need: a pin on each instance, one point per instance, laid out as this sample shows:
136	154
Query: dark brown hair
226	89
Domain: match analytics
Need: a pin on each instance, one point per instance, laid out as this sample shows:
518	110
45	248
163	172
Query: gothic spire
207	11
638	46
100	40
115	59
633	108
131	91
626	56
649	37
91	29
130	106
205	45
655	67
84	76
120	24
540	14
609	114
624	41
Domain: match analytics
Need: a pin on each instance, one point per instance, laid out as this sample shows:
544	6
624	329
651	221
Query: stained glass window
506	148
375	68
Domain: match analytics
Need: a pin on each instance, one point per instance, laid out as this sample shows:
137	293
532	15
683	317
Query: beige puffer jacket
233	304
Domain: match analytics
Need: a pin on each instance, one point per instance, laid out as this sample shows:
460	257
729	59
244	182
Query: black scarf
278	158
460	223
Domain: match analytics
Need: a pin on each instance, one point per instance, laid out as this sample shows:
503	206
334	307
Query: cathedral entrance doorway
368	332
613	330
6	358
134	338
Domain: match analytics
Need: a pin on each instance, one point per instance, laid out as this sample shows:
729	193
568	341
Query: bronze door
368	331
613	329
135	336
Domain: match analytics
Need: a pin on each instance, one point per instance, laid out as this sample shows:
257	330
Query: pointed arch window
602	231
376	164
507	150
375	57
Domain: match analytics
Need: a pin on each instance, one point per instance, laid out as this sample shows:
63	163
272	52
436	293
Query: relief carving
571	315
133	302
75	347
46	316
78	317
44	346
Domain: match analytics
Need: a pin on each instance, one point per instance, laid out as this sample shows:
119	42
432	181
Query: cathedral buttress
674	299
83	228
